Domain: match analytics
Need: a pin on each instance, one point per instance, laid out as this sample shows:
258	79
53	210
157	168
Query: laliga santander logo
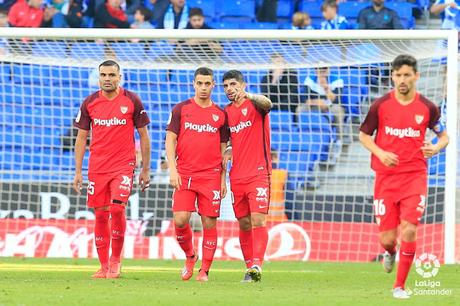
288	241
427	265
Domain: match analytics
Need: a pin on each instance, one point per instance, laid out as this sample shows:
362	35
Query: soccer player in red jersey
196	137
249	125
399	152
111	114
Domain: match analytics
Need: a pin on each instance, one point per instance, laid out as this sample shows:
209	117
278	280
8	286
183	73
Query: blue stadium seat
50	49
313	8
5	73
351	9
127	51
208	7
146	76
31	74
157	136
260	25
301	164
182	77
42	95
285	9
281	120
366	52
324	53
224	25
93	51
404	10
65	76
237	11
352	97
159	119
353	76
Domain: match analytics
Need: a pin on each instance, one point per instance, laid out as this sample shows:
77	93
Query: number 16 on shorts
379	210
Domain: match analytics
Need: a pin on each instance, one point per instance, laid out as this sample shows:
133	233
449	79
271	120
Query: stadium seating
237	11
208	7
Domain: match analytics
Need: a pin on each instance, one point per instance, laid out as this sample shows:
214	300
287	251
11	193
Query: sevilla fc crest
418	119
215	117
244	111
123	109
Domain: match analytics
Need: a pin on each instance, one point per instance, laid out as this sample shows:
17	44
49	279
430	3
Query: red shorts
250	196
107	188
201	192
399	197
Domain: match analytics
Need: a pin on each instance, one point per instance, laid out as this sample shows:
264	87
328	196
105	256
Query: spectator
378	16
450	13
29	14
196	19
194	48
3	18
175	16
141	19
158	8
301	21
110	15
130	7
323	93
281	85
333	21
75	12
266	11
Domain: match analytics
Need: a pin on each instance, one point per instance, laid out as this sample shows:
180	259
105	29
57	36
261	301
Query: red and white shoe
202	276
101	273
190	262
114	270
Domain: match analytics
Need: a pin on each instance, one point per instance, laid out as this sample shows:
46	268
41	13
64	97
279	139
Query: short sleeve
140	117
83	120
224	130
435	122
371	122
174	120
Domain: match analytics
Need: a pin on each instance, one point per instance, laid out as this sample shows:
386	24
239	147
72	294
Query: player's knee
180	221
245	223
258	220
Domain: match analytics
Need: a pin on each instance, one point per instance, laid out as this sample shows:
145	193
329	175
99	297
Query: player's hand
389	159
223	189
144	179
175	179
240	95
78	183
429	149
228	157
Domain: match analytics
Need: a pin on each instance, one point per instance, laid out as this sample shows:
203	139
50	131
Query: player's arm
80	148
227	154
389	159
144	176
260	101
170	146
223	177
429	149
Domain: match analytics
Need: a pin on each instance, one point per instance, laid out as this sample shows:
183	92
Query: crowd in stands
264	14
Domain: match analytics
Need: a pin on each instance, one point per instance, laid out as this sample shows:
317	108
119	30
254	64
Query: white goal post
345	53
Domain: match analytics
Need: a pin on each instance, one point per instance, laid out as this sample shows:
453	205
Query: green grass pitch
67	282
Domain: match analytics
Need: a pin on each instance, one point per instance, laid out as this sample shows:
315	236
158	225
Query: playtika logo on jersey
109	122
240	126
402	133
200	128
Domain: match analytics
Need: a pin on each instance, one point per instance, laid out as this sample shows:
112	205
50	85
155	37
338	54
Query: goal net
321	201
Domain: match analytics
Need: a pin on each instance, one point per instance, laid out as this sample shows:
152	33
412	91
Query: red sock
184	236
246	246
406	257
102	236
391	250
118	226
259	244
209	247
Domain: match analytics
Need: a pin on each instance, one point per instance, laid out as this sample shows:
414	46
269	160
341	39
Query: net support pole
451	150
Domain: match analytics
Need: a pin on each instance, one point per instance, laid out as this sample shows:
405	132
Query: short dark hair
110	63
145	12
404	59
195	11
203	71
233	74
328	3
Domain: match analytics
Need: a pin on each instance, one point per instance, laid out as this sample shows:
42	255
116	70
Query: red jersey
112	124
23	15
250	135
200	131
401	130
